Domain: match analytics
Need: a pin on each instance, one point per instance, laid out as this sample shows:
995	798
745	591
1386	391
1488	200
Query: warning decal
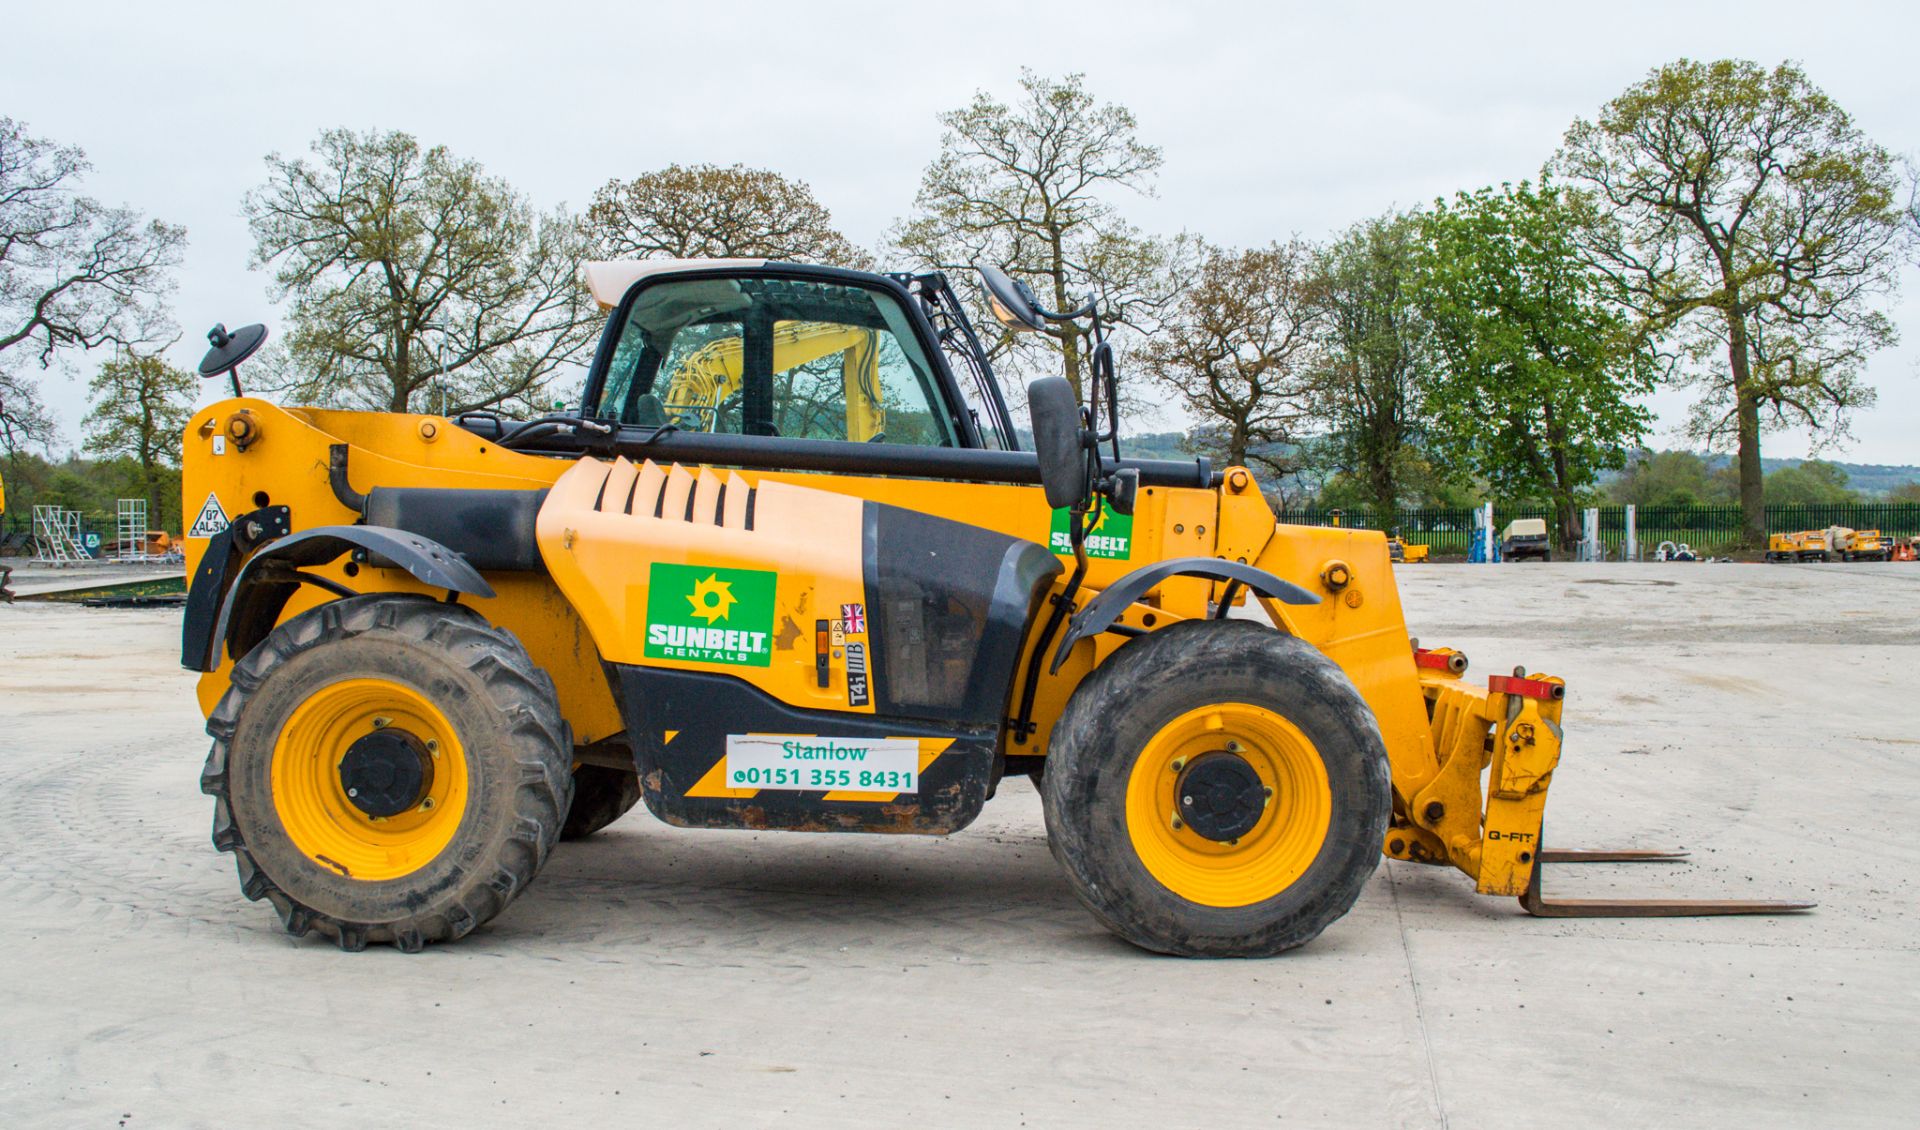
211	521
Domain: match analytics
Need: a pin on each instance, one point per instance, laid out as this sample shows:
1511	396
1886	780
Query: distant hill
1867	478
1870	479
1153	445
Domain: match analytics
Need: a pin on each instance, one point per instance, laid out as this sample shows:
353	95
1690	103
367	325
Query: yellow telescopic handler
789	567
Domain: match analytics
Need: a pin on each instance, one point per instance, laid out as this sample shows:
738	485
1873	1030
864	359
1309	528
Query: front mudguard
1106	607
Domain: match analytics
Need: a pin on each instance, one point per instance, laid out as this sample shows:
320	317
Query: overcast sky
1275	118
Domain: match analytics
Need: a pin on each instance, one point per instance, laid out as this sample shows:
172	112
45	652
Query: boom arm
704	381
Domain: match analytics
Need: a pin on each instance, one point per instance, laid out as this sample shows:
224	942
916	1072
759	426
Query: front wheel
1217	789
387	769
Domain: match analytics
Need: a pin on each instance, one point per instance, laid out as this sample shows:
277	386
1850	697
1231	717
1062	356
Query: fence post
1630	542
1589	548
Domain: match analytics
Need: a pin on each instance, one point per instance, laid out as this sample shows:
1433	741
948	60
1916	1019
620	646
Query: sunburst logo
712	599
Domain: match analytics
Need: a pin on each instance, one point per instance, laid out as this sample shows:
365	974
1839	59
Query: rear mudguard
250	598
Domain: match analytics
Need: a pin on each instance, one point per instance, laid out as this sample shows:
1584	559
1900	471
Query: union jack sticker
856	617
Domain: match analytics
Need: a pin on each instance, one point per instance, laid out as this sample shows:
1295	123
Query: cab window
780	357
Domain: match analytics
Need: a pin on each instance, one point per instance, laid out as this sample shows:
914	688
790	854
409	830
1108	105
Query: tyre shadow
642	883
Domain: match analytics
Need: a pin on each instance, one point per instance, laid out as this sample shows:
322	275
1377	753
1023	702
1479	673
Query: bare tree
1742	212
1913	210
1237	352
416	280
74	274
1025	187
709	212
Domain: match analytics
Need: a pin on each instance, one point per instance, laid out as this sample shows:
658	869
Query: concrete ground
1767	718
30	579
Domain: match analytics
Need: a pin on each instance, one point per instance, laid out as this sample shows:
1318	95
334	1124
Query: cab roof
609	280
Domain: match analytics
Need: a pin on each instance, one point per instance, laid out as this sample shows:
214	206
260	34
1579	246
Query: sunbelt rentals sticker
1112	534
710	615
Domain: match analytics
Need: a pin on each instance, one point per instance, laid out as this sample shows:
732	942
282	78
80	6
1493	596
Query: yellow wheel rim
312	802
1267	858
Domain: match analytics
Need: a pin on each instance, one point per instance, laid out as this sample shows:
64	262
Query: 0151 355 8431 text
807	762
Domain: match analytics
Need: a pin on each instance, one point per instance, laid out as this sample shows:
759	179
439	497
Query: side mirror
229	350
1012	301
1058	441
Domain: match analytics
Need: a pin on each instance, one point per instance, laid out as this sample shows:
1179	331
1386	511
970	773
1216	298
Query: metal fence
1710	529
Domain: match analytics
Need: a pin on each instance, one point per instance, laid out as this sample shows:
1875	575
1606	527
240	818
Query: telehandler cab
788	567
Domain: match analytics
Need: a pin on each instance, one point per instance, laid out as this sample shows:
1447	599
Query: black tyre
388	769
601	795
1217	789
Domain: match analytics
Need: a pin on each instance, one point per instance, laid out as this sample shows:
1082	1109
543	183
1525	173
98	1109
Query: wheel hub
1220	796
386	772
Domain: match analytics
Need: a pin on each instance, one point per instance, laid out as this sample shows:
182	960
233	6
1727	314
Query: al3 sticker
211	519
1112	534
710	615
813	763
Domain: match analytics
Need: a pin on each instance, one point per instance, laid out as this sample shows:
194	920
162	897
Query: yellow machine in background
1403	552
1801	545
1860	545
430	647
1824	545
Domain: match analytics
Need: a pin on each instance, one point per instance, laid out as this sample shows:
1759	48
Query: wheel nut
353	792
1187	800
382	723
1177	825
433	747
1179	763
1233	747
426	804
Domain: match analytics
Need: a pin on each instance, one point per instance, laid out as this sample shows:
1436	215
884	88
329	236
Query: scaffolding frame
131	530
56	536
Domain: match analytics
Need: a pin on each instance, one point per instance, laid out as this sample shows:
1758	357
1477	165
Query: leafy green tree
141	406
1538	366
710	212
91	486
74	274
1375	353
416	281
1662	478
1908	493
1237	353
1743	213
1815	481
1027	187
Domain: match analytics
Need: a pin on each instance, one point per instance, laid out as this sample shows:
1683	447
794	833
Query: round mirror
229	349
1012	302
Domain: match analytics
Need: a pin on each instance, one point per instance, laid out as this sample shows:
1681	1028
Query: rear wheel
387	769
1219	789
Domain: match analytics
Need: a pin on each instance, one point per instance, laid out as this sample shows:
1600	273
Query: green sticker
710	615
1112	535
